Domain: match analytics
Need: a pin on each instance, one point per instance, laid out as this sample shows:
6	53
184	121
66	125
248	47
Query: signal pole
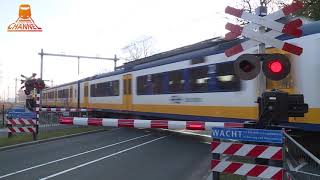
115	59
262	84
8	93
15	91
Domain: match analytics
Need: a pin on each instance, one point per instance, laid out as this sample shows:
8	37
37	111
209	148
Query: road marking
99	159
68	157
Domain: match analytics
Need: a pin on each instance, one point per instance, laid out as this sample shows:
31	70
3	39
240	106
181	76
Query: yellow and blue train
196	82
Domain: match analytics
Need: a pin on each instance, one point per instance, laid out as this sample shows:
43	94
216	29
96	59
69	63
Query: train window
50	95
60	95
156	81
64	93
110	88
198	79
115	88
142	85
92	90
70	91
176	81
226	80
197	60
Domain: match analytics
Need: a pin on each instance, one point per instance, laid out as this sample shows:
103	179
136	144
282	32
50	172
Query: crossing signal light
247	66
31	83
274	66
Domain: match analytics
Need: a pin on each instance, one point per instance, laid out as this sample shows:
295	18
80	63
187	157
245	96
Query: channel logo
24	23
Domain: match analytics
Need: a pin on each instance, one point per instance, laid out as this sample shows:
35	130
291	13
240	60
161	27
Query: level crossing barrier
53	109
139	123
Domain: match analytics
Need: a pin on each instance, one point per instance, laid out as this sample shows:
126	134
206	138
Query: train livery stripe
210	111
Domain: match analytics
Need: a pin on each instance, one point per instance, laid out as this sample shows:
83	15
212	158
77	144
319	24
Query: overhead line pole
115	59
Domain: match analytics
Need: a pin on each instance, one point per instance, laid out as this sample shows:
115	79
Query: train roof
204	48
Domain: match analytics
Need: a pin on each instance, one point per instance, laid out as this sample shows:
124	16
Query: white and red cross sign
250	30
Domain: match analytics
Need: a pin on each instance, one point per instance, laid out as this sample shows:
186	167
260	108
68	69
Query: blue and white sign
255	135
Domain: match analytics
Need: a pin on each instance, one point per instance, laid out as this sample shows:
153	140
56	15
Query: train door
127	92
86	94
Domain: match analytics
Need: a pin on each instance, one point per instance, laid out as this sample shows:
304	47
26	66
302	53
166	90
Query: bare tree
139	49
251	5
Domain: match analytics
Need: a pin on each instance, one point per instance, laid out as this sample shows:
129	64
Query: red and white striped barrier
65	110
249	150
21	130
245	169
138	123
23	122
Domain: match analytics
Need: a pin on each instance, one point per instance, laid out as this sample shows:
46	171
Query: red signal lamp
276	66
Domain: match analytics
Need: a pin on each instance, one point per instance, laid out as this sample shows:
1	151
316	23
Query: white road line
102	158
68	157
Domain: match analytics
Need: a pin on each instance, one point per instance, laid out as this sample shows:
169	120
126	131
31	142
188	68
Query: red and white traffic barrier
21	130
138	123
249	150
65	110
21	121
245	169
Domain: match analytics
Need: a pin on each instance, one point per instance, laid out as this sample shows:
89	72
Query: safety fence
49	117
299	162
290	161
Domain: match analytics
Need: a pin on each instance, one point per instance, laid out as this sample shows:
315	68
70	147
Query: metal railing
299	162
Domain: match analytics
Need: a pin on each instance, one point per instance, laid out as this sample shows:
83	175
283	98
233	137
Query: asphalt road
115	154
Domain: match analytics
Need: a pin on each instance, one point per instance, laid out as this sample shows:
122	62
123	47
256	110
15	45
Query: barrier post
216	156
3	114
35	134
9	132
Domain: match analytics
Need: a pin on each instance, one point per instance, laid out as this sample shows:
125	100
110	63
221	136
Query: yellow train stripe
211	111
313	117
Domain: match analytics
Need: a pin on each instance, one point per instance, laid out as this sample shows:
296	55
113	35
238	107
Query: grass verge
21	138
